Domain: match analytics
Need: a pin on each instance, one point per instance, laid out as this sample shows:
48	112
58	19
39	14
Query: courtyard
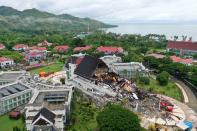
8	124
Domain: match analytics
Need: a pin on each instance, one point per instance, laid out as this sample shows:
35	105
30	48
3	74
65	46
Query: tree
132	57
195	56
16	128
144	80
77	42
163	78
17	57
142	50
117	118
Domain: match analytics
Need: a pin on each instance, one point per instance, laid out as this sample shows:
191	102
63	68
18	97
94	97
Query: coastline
169	30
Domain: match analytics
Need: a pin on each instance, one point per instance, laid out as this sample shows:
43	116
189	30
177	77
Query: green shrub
163	78
144	80
117	118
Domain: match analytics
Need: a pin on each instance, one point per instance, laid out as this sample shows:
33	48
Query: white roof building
48	109
129	70
110	59
13	95
10	76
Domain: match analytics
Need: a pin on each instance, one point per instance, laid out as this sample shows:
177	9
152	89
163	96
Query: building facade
6	62
12	96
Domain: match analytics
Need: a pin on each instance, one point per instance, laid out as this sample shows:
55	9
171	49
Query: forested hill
33	20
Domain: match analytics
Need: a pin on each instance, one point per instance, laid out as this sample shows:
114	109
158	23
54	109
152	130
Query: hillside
33	20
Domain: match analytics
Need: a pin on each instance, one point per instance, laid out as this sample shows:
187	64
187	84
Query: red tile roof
2	46
82	48
175	58
14	114
18	46
187	61
61	48
180	60
34	54
38	48
110	49
182	45
3	59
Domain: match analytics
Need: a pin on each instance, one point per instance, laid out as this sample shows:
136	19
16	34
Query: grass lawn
50	68
170	90
83	115
7	124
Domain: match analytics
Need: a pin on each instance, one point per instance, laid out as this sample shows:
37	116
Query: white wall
6	63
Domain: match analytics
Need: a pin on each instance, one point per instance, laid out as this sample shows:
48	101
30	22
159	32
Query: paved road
191	96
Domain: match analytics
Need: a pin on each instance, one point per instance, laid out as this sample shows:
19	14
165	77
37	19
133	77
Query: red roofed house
34	57
6	62
61	48
110	50
180	60
82	48
36	54
2	46
182	47
20	47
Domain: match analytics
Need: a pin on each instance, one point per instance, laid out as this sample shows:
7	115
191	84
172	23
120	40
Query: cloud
115	11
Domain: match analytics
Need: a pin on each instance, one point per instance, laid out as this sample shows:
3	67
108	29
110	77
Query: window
14	99
10	101
19	102
6	108
15	105
19	97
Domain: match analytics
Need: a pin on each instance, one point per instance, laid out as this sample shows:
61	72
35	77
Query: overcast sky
116	11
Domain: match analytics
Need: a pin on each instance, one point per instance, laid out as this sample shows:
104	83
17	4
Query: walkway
191	96
185	97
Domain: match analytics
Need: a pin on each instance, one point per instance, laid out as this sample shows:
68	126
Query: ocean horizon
169	30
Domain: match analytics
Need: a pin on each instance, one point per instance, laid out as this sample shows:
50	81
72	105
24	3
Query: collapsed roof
88	66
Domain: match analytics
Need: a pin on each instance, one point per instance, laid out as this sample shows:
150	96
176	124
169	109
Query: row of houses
36	54
178	47
64	48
